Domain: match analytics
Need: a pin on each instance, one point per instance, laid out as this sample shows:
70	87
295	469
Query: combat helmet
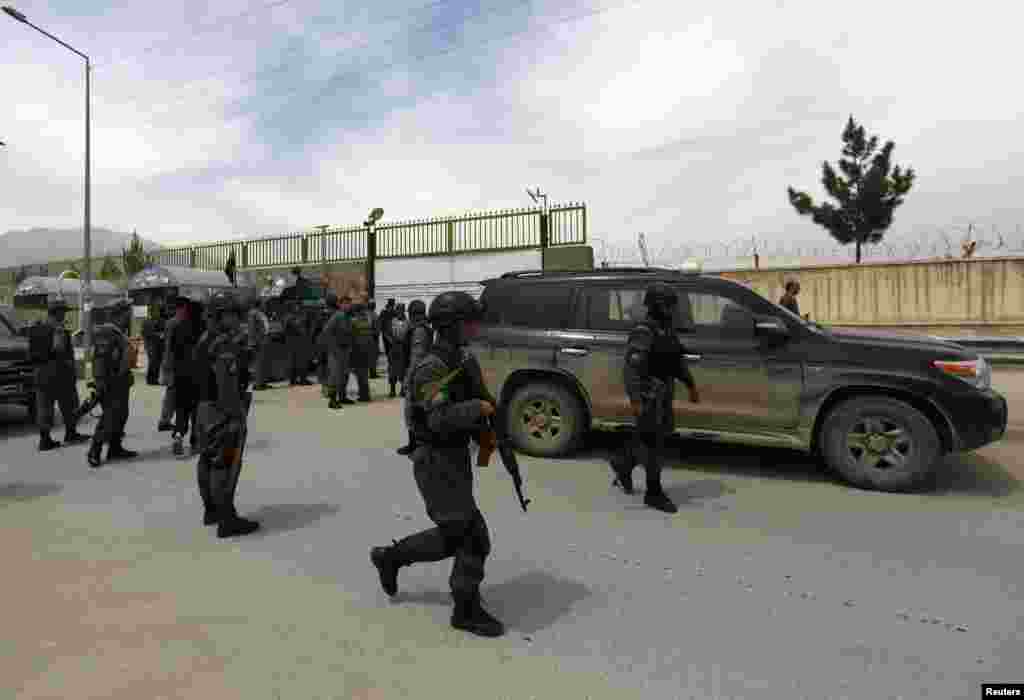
660	294
416	308
224	302
448	308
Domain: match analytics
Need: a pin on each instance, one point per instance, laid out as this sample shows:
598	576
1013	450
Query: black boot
234	525
73	437
657	498
622	464
470	616
345	401
117	451
391	394
408	449
47	443
386	561
95	454
335	404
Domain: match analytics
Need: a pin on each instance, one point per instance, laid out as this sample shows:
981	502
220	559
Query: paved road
774	581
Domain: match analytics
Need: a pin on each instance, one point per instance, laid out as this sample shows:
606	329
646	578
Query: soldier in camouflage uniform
113	376
450	407
222	361
654	360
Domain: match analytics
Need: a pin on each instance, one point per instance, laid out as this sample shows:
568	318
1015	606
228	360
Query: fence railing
511	229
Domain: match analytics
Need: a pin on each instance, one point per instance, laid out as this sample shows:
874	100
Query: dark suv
880	409
17	379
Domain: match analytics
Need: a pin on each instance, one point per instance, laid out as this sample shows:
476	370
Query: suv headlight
977	373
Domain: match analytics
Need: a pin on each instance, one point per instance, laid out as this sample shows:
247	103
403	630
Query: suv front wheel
880	443
545	419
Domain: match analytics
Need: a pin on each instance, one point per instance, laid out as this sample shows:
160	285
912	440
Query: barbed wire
938	244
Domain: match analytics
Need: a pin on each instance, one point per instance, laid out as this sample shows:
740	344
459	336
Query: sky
682	120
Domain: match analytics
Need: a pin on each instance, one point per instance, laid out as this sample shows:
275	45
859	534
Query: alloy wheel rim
879	443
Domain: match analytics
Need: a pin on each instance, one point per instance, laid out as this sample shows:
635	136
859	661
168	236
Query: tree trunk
858	252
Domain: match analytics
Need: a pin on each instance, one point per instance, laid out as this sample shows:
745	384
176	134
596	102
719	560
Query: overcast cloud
682	120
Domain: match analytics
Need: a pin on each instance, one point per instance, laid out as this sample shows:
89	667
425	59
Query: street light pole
371	253
87	228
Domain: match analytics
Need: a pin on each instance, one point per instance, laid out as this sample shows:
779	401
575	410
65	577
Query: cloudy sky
683	120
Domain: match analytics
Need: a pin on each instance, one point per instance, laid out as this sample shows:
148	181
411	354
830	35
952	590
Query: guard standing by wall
397	327
449	411
113	376
337	338
222	362
153	338
387	315
416	342
297	338
362	349
178	310
53	355
654	360
258	330
181	345
375	350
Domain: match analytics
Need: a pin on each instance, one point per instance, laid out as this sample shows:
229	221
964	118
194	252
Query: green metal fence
511	229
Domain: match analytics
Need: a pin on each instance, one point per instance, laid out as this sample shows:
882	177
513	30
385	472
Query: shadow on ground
964	474
20	491
527	603
290	516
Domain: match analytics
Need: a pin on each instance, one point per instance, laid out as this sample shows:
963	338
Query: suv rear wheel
880	443
545	419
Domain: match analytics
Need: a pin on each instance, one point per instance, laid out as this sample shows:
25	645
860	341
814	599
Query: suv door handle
692	358
579	352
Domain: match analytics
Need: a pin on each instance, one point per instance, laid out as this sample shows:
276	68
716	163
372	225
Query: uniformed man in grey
112	374
371	312
54	359
449	410
417	341
337	339
223	415
362	349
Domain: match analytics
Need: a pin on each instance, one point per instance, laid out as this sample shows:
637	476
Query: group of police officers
446	405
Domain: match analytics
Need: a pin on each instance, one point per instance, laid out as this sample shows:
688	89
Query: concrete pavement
774	580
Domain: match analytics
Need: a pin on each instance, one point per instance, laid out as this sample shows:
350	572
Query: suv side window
613	308
717	314
528	305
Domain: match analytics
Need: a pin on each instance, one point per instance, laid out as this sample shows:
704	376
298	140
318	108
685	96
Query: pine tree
866	197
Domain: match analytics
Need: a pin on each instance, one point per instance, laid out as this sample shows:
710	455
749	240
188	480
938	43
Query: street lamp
87	228
543	198
371	252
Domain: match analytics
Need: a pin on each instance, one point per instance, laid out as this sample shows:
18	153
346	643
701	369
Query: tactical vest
458	389
663	360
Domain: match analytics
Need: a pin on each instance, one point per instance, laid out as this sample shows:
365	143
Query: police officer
362	349
113	376
371	312
337	340
222	360
396	328
153	337
297	339
654	360
54	357
446	417
416	342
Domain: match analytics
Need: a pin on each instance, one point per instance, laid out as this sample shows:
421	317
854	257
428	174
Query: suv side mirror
771	328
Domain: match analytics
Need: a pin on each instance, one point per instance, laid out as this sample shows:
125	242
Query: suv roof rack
596	271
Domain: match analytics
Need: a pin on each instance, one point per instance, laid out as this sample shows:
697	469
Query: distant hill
41	245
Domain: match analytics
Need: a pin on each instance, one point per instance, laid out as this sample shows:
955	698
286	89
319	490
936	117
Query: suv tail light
977	373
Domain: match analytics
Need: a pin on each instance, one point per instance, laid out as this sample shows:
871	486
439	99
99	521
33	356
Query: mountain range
42	245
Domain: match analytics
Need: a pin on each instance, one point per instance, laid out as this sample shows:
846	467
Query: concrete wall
955	297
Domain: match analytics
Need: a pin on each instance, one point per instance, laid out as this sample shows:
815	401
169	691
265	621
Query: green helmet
417	308
449	308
